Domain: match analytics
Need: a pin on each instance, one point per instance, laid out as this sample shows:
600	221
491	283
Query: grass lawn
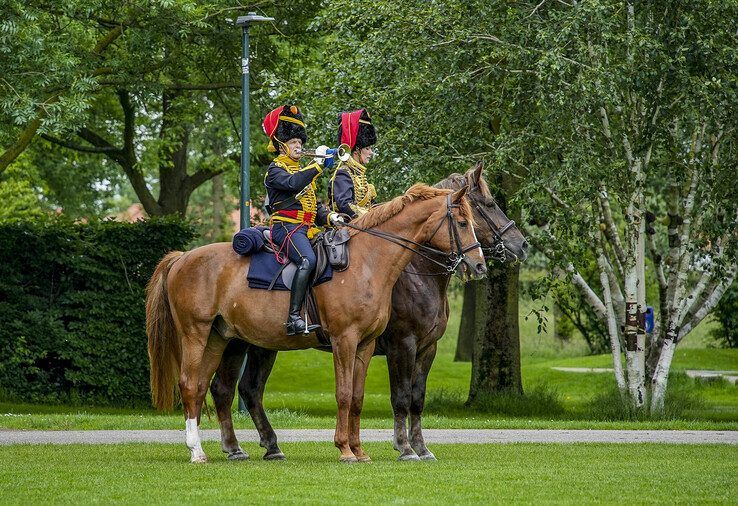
144	474
300	392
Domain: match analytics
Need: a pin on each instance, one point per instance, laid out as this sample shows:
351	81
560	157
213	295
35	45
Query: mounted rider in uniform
293	204
349	192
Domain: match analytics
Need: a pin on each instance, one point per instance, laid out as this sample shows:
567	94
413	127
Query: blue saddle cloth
264	268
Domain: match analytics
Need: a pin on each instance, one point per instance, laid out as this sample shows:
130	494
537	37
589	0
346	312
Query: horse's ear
459	194
477	172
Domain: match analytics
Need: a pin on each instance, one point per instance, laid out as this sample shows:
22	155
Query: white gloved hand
321	150
335	218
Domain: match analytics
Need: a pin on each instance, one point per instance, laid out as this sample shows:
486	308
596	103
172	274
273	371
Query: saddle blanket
264	267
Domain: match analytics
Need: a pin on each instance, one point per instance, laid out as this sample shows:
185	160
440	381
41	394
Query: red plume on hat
271	121
356	129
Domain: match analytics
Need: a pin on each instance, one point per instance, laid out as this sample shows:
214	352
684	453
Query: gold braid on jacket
308	199
364	192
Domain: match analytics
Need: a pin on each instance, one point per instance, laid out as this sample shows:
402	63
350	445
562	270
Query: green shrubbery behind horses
72	308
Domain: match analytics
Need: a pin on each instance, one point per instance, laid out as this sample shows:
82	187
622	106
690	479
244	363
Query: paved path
434	436
731	376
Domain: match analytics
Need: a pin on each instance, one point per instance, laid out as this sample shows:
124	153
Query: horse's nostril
481	268
525	245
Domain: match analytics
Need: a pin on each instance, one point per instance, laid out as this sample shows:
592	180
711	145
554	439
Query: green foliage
21	194
431	116
72	311
726	312
137	90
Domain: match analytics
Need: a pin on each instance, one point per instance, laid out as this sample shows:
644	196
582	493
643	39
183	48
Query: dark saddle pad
268	274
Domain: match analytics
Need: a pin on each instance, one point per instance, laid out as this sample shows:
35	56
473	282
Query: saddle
331	248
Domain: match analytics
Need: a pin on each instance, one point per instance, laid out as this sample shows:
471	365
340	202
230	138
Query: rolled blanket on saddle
249	240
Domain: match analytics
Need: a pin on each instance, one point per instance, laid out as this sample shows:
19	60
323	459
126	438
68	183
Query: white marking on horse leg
192	439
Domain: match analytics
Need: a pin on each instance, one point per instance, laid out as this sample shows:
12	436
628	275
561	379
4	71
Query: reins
497	252
453	258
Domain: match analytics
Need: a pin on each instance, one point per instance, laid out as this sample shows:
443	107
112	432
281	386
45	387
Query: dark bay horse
419	317
199	300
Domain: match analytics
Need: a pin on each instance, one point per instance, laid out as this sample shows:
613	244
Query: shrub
72	318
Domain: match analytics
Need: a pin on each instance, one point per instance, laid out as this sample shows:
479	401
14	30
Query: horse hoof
275	456
408	457
238	455
348	460
427	456
201	459
365	458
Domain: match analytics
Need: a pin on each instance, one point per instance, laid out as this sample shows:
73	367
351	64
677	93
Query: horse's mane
419	191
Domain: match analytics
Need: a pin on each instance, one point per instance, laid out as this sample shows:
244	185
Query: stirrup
298	326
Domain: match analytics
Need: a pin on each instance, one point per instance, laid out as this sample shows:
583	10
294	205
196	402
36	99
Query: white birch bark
612	327
641	300
589	295
634	338
611	231
709	304
661	376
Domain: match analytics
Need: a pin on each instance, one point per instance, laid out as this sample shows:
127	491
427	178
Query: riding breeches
297	245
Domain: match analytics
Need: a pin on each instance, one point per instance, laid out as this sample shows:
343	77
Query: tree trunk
468	325
661	376
496	356
218	207
174	191
496	352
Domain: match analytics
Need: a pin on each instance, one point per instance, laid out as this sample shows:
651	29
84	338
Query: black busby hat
284	123
355	129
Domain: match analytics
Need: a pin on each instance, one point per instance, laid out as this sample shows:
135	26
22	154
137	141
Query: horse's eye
463	224
490	203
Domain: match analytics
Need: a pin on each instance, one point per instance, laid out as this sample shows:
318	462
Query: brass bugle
343	153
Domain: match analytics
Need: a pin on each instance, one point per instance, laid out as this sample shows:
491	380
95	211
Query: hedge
72	309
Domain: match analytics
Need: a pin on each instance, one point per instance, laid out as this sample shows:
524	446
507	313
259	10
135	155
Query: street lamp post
245	23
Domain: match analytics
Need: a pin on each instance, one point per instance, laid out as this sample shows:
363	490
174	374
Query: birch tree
634	146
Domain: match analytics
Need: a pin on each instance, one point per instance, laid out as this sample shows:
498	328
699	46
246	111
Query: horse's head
499	236
451	229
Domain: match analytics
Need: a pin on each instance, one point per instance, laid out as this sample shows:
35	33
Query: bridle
452	258
498	249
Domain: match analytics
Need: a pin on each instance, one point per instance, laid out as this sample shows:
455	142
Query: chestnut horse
419	317
197	301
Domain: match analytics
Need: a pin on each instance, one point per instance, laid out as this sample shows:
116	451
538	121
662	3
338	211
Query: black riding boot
300	284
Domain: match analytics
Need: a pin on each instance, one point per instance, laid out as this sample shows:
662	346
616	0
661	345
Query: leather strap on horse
498	250
453	258
314	317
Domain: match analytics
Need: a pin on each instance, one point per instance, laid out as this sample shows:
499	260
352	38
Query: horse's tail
164	348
